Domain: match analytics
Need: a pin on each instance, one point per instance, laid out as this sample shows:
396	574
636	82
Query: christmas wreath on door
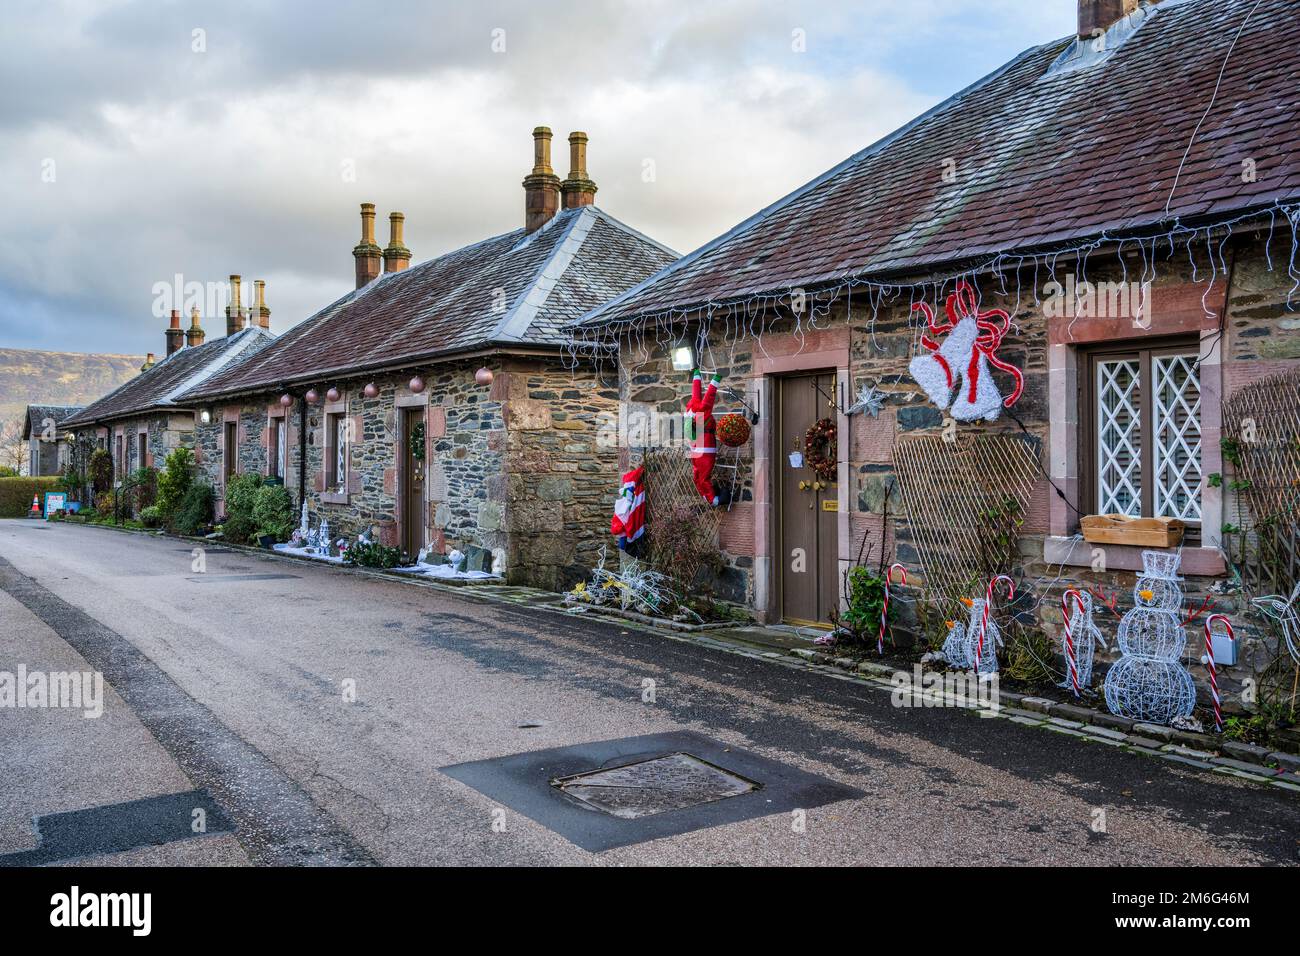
821	451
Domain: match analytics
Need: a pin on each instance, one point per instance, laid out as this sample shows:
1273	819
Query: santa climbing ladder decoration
964	357
702	431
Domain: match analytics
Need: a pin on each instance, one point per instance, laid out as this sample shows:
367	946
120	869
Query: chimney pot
175	334
235	311
367	252
578	189
541	186
148	362
396	256
260	314
195	335
1099	15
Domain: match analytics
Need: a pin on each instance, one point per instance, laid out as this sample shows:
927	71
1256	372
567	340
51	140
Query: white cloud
231	160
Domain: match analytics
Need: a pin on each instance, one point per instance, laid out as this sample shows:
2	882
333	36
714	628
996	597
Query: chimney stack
367	251
396	256
541	186
578	189
235	311
1099	15
260	314
148	363
175	334
195	335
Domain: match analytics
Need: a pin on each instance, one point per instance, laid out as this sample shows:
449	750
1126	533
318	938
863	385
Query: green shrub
174	481
151	517
7	472
241	498
101	470
145	490
71	483
194	513
273	512
16	494
373	556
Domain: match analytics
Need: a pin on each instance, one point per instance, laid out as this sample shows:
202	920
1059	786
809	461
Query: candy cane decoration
1209	664
984	618
884	611
1070	656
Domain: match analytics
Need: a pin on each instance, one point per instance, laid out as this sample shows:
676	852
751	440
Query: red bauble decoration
371	390
312	396
733	430
332	395
417	385
483	376
286	400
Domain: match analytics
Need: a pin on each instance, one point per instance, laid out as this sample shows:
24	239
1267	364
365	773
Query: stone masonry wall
561	470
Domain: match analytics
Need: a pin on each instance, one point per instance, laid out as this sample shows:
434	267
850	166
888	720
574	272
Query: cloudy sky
145	140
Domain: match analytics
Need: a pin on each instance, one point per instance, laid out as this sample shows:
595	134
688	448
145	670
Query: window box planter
1141	532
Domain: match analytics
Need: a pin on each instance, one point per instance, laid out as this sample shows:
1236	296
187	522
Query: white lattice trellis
1119	438
1176	411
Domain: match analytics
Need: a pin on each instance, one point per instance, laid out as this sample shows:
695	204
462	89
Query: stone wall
515	466
561	470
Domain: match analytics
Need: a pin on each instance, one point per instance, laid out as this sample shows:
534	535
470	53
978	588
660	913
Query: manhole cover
640	789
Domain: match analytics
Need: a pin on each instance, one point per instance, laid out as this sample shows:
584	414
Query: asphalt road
309	710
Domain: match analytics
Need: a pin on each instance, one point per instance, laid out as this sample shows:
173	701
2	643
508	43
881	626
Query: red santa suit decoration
628	523
702	430
964	358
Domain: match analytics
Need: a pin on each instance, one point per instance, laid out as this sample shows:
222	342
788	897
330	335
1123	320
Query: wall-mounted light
683	358
205	416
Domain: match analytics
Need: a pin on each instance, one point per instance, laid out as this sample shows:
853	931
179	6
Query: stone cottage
142	420
435	406
47	438
1133	216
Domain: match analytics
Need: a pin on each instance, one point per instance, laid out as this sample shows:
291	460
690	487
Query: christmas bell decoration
483	376
416	385
371	390
332	395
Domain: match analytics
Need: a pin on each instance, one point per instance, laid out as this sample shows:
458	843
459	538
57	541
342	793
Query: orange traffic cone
36	507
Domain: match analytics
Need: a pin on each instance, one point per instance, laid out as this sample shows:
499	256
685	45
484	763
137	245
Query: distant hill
28	377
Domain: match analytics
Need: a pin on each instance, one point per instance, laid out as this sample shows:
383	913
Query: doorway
807	505
414	454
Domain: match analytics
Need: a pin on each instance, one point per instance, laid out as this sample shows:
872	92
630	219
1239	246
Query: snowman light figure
960	646
962	361
1149	683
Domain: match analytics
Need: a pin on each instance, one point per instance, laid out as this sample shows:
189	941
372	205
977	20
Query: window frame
1142	351
336	453
230	450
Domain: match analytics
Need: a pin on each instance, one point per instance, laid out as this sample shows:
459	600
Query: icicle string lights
750	317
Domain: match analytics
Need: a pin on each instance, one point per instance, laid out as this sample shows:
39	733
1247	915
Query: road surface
305	714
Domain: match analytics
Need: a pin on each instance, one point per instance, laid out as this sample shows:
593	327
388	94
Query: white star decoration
870	399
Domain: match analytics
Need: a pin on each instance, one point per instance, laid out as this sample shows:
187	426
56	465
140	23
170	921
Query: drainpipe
302	451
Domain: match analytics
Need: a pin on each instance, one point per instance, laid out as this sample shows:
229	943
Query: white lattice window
1119	437
1176	428
1146	433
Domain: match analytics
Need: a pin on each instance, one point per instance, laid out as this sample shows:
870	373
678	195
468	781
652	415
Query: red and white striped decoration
1070	657
984	618
1209	664
884	611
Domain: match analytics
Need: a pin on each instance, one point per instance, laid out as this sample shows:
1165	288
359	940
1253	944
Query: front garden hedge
16	494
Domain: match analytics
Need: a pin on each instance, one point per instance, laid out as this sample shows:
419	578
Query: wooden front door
413	519
807	505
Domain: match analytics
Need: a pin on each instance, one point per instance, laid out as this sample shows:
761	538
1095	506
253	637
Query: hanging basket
733	430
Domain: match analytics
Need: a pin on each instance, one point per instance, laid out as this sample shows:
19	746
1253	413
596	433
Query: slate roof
1058	146
37	414
514	290
160	387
